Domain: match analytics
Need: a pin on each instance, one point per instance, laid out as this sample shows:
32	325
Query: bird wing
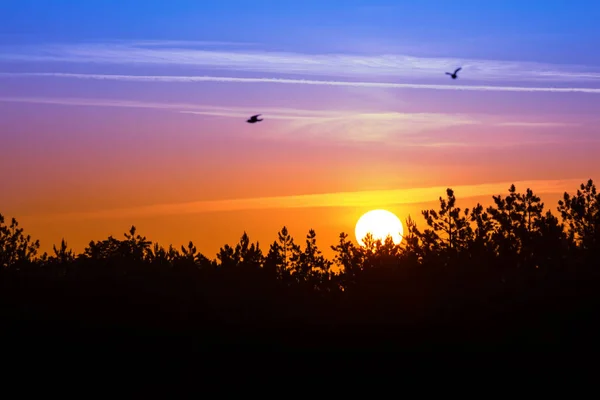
256	116
457	69
448	73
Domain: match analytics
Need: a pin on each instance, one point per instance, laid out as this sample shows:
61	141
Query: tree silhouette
517	218
282	255
15	248
105	249
228	257
348	259
63	254
311	266
159	256
136	246
481	245
450	231
275	261
512	272
581	213
249	254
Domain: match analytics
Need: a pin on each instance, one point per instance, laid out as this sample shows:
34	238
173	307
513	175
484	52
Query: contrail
224	79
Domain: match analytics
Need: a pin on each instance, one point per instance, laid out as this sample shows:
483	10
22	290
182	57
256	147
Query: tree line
511	270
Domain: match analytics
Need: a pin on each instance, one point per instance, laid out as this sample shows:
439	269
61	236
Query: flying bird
453	75
253	119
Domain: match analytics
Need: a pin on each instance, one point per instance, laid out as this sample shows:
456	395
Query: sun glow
380	224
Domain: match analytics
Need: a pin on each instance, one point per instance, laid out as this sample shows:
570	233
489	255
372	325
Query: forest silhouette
512	275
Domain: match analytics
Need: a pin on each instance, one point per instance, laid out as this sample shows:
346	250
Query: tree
249	254
136	246
189	253
551	244
349	260
159	256
227	257
450	231
482	232
102	250
311	265
581	213
517	225
274	261
411	246
62	255
283	253
15	247
189	259
245	254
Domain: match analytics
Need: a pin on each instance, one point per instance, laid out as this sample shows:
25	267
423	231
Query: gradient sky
115	113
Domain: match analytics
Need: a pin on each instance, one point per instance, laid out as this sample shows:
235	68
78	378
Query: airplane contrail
224	79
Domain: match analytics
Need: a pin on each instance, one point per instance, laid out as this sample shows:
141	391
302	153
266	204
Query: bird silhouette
253	119
453	75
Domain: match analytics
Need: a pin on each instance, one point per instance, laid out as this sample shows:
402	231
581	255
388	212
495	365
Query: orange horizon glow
210	230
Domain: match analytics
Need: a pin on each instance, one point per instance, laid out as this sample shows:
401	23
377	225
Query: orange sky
85	173
98	134
212	224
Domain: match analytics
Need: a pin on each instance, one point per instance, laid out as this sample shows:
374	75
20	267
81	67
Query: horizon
139	119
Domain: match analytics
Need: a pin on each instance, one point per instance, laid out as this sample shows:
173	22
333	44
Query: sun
380	224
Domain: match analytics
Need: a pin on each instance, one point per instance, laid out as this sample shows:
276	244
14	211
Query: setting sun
380	224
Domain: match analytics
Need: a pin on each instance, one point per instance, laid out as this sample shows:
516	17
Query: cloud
374	199
232	111
381	127
183	43
530	124
224	79
240	114
333	65
348	125
208	109
410	129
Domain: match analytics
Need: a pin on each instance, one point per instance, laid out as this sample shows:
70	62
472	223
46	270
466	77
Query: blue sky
508	29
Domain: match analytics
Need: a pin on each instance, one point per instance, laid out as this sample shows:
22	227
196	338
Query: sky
120	113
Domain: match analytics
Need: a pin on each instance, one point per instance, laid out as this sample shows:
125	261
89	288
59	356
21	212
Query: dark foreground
121	320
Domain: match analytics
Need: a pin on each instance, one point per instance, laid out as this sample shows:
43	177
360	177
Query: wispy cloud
178	107
375	199
231	111
184	43
333	65
532	124
224	79
383	127
340	125
347	125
